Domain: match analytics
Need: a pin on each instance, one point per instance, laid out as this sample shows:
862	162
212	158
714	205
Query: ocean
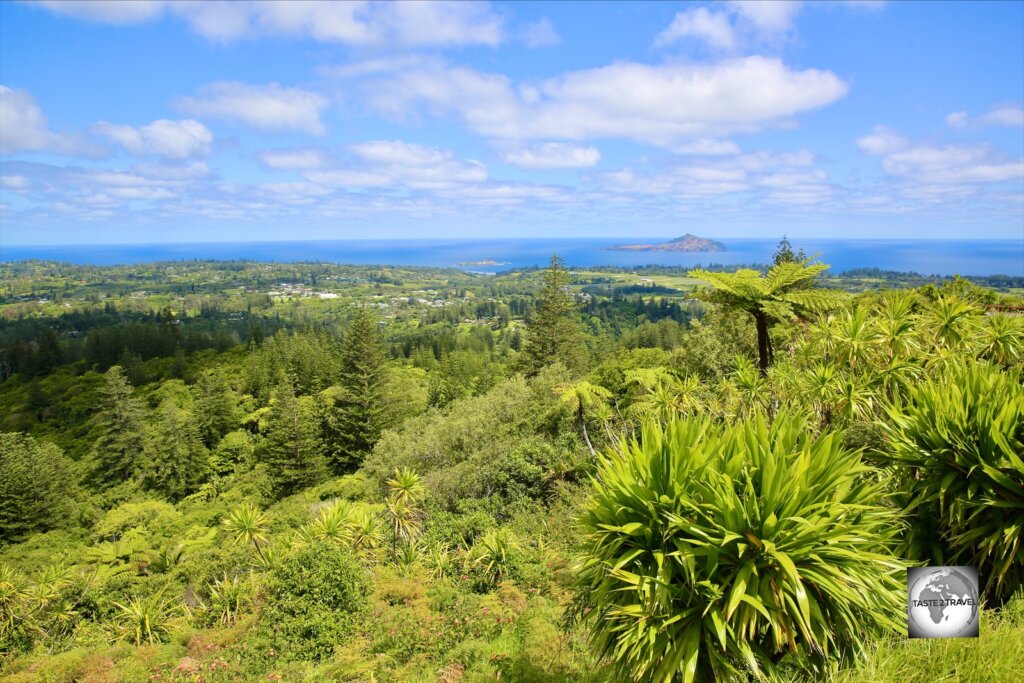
927	257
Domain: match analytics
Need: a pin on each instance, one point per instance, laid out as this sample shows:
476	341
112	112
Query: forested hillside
234	471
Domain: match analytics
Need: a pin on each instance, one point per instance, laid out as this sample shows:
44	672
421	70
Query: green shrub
313	600
959	442
711	549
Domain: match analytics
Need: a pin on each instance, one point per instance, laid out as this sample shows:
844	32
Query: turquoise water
928	257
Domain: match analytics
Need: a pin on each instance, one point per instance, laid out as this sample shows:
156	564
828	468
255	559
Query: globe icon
942	602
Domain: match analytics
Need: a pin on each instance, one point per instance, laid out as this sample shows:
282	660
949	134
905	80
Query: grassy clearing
995	657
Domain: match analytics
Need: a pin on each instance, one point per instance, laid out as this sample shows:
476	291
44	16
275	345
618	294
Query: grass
994	657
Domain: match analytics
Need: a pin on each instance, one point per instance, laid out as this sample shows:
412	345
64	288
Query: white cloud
540	34
707	147
1003	115
773	177
393	163
396	152
23	127
358	23
769	16
713	27
554	155
293	159
107	11
168	139
14	182
882	140
269	107
928	174
658	104
952	164
957	119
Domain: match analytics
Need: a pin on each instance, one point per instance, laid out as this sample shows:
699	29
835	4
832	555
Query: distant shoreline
939	257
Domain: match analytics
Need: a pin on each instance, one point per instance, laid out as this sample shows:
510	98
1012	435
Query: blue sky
176	121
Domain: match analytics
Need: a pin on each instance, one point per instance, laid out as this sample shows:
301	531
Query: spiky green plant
1002	338
227	597
366	531
714	551
406	487
493	554
407	558
246	523
333	522
146	620
662	394
949	321
960	440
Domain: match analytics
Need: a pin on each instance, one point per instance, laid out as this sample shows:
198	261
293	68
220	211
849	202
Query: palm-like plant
663	394
949	322
146	620
405	520
227	597
719	551
746	389
248	524
1002	339
405	486
11	600
817	387
366	531
896	322
493	554
781	294
857	339
333	522
960	439
584	399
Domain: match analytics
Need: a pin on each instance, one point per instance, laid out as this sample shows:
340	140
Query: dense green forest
240	471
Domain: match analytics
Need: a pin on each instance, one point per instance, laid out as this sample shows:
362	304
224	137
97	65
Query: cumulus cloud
23	127
554	155
713	27
656	104
771	177
375	23
394	163
768	16
540	34
743	23
882	140
1003	115
942	174
168	139
107	11
953	164
707	147
293	159
269	107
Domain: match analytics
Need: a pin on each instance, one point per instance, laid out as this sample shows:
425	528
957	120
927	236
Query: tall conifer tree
119	452
356	419
553	334
178	461
292	448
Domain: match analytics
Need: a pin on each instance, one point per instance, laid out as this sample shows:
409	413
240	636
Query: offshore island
687	242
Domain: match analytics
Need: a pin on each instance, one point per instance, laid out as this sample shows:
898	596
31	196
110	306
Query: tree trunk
586	436
764	343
